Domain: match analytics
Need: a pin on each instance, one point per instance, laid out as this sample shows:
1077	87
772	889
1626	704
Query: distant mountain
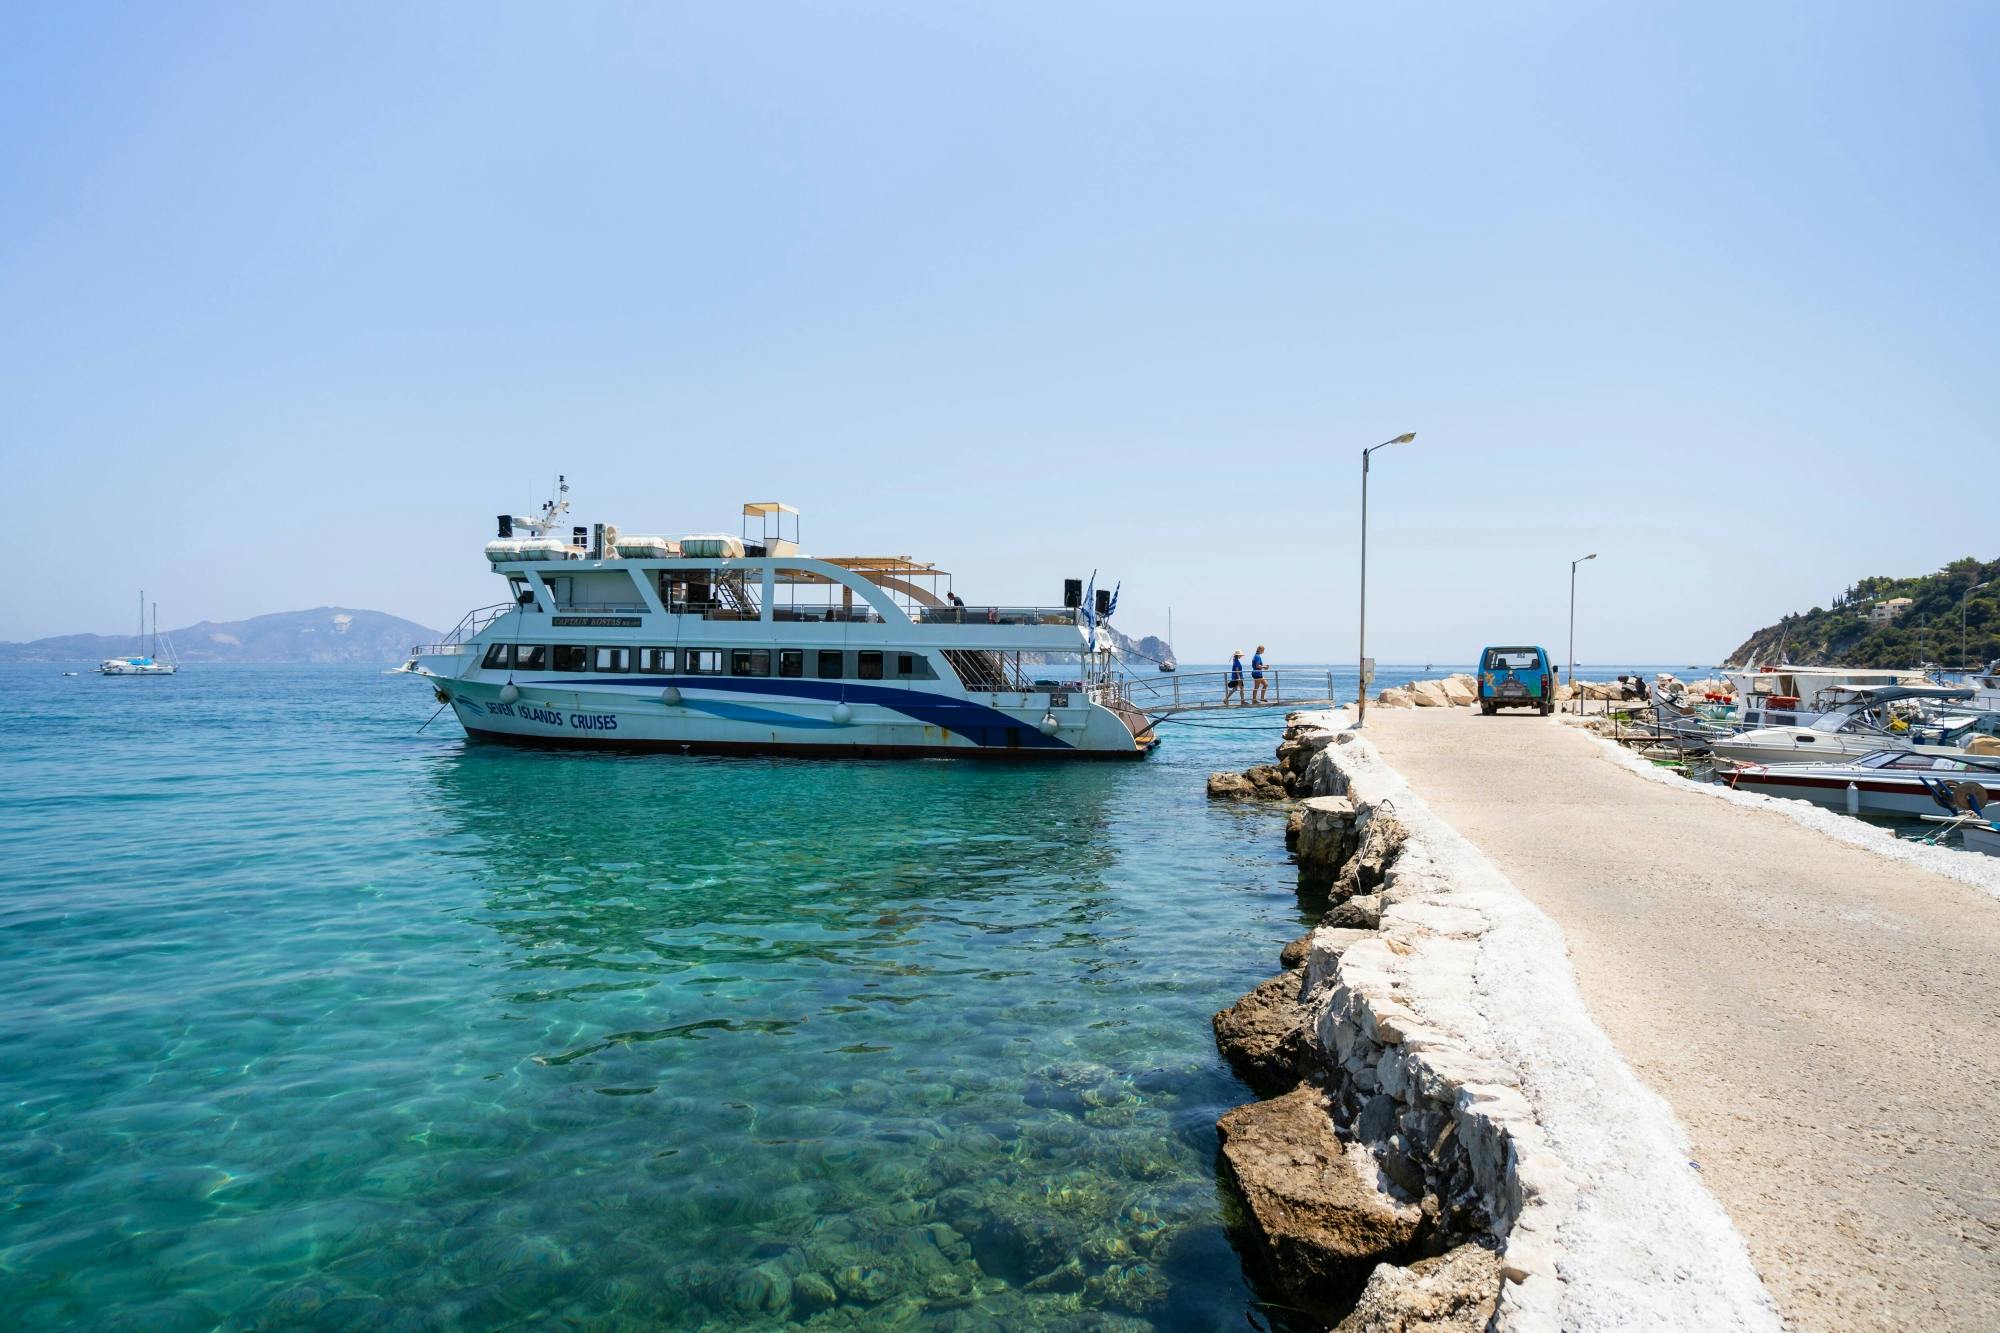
325	634
1869	625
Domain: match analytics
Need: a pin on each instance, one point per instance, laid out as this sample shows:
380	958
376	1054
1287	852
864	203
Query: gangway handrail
1185	692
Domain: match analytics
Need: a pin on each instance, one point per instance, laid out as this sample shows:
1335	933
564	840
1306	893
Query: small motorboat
1887	782
1862	724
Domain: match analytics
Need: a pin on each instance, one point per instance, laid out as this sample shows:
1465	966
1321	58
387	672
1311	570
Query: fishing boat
150	662
1887	782
711	643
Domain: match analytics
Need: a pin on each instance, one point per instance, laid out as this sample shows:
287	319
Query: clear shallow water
310	1017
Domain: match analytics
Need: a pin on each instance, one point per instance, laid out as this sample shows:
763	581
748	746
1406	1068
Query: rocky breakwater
1453	691
1402	1172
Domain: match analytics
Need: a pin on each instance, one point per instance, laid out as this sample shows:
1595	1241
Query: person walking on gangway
1234	683
1259	688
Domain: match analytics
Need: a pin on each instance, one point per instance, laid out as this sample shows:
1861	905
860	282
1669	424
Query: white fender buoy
671	697
843	714
509	692
1049	724
1853	799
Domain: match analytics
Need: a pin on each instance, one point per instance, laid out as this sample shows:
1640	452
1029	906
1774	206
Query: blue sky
297	298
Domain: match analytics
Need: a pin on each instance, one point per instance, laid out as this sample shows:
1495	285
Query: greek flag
1112	609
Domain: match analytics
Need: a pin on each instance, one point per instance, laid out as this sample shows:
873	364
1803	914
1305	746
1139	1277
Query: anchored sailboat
146	663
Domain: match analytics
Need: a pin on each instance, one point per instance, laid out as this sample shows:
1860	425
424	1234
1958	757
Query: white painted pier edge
1464	1001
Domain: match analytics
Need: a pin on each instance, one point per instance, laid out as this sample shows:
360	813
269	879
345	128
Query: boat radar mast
552	510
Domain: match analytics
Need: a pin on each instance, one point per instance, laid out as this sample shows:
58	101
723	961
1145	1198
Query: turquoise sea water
312	1018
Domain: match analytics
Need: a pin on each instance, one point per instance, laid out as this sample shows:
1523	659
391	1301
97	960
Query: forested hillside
1843	634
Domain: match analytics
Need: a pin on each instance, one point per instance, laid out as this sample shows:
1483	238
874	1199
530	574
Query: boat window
499	657
613	659
869	665
656	659
750	662
829	664
906	664
792	662
531	656
572	657
704	661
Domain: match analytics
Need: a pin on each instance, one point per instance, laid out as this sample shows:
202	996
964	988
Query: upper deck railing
995	615
468	625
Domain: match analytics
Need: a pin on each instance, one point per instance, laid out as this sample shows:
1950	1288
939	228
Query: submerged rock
812	1293
1263	1035
1265	782
1452	1293
1320	1221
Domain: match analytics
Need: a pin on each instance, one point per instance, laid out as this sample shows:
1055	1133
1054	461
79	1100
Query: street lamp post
1572	621
1361	665
1964	665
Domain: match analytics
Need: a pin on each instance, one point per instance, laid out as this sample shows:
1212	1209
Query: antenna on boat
552	510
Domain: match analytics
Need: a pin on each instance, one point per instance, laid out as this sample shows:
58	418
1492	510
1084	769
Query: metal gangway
1171	693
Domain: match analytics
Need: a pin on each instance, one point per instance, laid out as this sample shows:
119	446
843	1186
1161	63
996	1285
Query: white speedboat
1863	724
1887	782
150	662
719	644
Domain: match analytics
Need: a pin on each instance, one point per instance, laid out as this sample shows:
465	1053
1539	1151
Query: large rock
1326	839
1430	694
1361	912
1396	696
1452	1293
1230	787
1461	689
1378	841
1320	1221
1263	1035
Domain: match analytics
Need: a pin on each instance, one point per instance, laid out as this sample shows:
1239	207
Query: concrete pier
1820	1018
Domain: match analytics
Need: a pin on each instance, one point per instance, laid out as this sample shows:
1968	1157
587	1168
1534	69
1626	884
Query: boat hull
1877	796
679	715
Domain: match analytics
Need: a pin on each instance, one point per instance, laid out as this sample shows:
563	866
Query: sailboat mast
153	649
139	646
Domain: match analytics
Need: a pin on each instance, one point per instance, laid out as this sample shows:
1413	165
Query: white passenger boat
151	661
1887	782
743	644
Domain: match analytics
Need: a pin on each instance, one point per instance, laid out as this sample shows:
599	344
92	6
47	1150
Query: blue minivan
1516	678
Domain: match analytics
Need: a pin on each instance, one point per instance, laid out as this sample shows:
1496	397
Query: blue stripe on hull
961	716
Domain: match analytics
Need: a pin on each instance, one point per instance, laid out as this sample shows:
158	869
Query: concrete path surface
1822	1019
